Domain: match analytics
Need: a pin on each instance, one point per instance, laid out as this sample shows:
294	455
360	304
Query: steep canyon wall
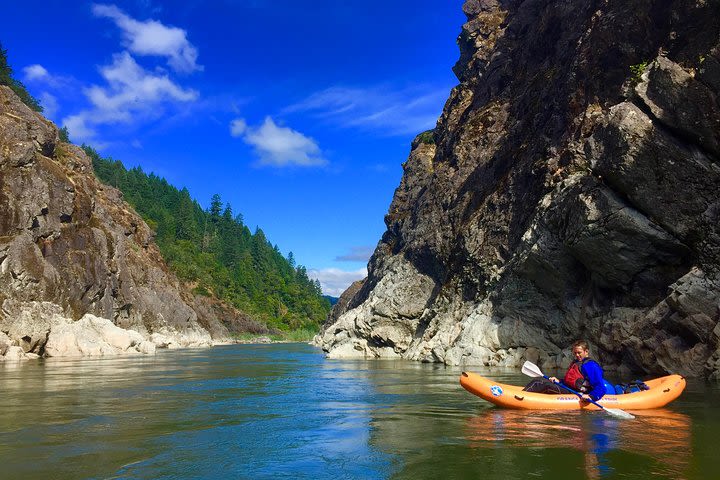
570	189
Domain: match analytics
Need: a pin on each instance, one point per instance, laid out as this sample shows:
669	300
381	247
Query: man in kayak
584	375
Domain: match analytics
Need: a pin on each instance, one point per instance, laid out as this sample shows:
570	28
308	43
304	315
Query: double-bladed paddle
532	370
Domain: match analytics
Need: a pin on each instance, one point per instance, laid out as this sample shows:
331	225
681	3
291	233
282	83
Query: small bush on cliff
427	137
637	72
6	78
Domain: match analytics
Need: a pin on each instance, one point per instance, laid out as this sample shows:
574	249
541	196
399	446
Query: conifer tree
186	227
291	259
215	208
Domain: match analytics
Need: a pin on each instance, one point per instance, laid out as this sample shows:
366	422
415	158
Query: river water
284	411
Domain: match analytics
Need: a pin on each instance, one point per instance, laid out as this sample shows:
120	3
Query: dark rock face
70	246
573	190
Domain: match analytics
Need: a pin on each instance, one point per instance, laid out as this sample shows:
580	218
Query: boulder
681	101
5	344
93	336
15	354
28	324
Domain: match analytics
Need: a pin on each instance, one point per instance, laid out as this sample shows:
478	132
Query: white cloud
131	94
278	146
356	254
39	75
238	127
129	86
382	109
35	72
153	38
78	128
335	281
50	105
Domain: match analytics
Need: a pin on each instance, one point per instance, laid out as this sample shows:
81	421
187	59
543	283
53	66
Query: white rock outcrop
33	329
93	336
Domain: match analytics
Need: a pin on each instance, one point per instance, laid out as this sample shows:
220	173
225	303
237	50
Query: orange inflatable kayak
662	391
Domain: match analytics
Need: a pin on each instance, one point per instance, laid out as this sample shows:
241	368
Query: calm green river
284	411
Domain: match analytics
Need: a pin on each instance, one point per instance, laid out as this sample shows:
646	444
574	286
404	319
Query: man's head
580	350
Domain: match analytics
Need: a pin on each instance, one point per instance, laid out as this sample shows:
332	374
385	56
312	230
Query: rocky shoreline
41	331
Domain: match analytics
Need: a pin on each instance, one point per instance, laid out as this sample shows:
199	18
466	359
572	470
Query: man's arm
593	373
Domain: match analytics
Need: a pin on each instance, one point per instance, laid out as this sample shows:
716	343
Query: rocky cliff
79	271
570	189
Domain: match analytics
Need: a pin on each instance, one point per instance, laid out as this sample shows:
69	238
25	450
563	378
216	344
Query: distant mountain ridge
332	300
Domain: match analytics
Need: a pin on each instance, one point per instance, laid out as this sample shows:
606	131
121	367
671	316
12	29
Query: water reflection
249	411
284	411
661	436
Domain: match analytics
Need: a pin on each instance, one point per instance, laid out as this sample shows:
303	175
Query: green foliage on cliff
6	78
64	135
213	250
637	72
427	137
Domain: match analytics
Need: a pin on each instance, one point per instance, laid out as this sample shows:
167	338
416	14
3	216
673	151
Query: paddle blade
616	412
531	370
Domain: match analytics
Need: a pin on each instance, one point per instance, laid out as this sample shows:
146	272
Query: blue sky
299	114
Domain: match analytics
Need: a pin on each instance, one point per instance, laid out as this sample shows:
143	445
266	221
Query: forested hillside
215	252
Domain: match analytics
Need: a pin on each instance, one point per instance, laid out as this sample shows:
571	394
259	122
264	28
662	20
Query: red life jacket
574	377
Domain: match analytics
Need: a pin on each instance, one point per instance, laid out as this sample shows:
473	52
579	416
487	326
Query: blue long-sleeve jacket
593	373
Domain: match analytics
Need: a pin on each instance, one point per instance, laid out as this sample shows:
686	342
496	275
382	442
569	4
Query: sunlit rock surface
71	250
